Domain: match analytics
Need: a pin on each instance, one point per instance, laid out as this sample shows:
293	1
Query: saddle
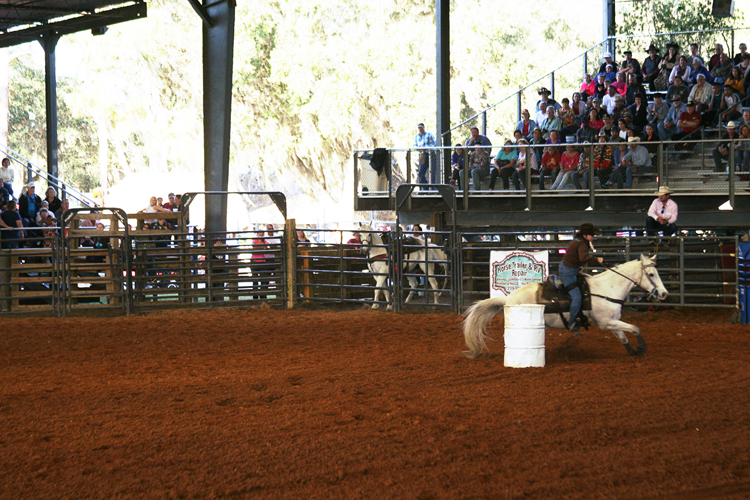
556	298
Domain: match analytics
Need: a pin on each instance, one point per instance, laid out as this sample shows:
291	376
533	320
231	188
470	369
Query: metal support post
732	169
552	84
518	107
591	171
443	63
660	163
290	234
484	123
49	42
218	54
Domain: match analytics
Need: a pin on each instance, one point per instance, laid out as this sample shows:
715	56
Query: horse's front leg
412	284
434	285
619	328
379	283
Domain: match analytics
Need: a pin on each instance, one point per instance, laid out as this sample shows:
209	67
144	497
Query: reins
651	293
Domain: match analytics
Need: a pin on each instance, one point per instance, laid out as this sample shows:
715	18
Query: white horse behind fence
608	293
424	257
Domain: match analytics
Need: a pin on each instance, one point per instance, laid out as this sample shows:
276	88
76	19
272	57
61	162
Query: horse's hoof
389	308
375	306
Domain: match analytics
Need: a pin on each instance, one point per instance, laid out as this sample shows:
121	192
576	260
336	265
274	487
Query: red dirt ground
363	404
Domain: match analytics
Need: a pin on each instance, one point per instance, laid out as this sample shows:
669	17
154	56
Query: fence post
484	122
290	233
732	168
585	63
660	163
518	106
552	84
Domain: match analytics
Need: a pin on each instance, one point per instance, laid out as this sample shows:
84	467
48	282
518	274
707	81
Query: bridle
653	291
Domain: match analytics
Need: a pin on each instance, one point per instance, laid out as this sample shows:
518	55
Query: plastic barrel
524	336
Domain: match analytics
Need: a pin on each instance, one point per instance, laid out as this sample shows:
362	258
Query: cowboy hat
544	90
663	190
731	125
635	138
653	47
589	228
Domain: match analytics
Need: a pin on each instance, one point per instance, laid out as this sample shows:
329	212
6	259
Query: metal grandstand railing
567	73
32	170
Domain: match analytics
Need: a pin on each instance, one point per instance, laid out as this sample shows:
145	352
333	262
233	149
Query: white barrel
524	336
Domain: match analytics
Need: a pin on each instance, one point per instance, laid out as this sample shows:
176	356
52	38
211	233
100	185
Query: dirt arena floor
362	404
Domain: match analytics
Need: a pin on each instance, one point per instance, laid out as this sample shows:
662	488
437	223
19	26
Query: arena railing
687	166
568	75
698	271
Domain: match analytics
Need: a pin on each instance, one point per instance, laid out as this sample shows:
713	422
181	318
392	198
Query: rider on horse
576	255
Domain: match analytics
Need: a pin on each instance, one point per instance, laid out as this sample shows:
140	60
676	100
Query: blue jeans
569	276
422	173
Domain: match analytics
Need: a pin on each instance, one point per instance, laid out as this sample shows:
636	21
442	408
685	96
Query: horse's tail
478	317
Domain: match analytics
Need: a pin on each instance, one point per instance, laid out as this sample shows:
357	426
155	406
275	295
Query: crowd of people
622	110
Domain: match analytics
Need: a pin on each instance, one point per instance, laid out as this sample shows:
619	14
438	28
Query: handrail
66	188
583	54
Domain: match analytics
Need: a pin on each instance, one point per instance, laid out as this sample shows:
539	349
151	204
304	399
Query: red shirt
695	116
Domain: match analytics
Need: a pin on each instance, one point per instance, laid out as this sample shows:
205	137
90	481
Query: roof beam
74	24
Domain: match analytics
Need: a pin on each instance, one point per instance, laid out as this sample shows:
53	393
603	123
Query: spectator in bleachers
152	208
586	132
620	150
608	102
7	175
721	71
579	107
621	112
457	165
545	93
689	122
716	58
52	200
603	164
721	152
554	139
608	125
479	164
550	122
670	60
477	139
639	112
596	104
4	194
636	161
736	80
701	94
694	55
526	125
608	61
517	136
634	87
650	140
423	139
742	149
682	70
567	119
745	117
537	138
710	116
650	67
601	87
731	105
49	227
568	164
630	66
40	217
738	56
594	121
170	204
609	74
745	67
505	164
678	88
699	69
588	87
64	205
526	159
29	205
622	129
620	84
550	165
669	126
541	114
11	219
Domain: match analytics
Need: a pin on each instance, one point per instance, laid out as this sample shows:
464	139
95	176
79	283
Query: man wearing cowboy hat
721	152
662	214
576	255
545	93
607	62
650	67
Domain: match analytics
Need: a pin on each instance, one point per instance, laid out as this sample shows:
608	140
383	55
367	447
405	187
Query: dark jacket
23	206
577	253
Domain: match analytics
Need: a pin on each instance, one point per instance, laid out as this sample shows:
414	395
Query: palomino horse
608	292
378	264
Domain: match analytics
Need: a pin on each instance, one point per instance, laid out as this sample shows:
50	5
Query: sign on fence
510	270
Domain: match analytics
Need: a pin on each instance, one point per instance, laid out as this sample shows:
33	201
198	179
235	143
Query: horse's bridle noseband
651	293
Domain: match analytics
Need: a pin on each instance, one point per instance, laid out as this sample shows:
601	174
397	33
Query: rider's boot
575	327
